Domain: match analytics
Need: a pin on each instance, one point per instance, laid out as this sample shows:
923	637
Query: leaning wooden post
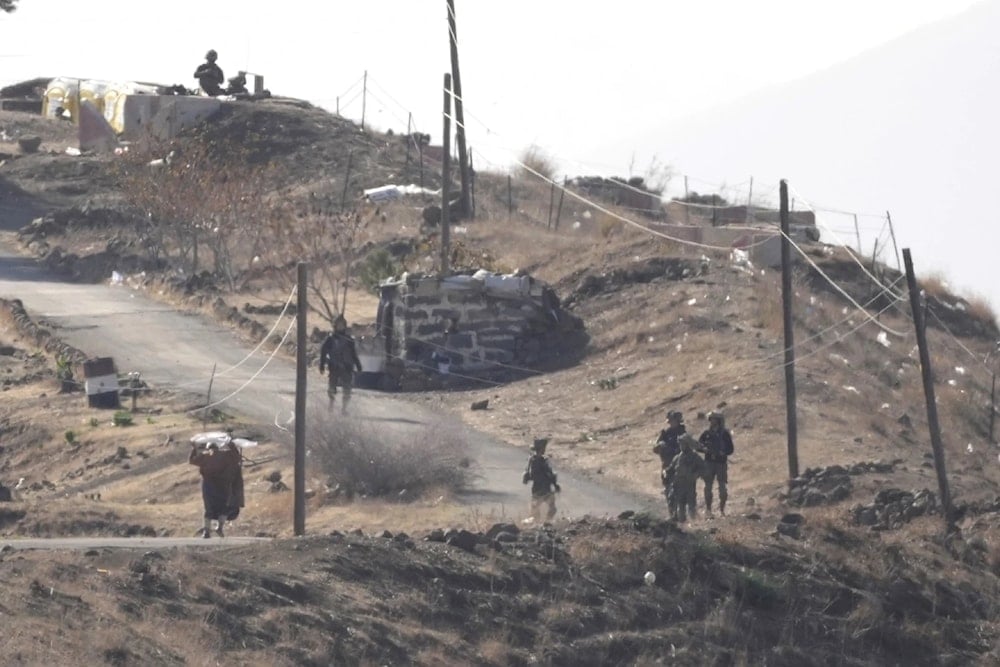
786	308
552	201
928	377
300	403
510	198
857	233
562	193
892	234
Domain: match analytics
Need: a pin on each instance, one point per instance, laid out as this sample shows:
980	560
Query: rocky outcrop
893	508
824	486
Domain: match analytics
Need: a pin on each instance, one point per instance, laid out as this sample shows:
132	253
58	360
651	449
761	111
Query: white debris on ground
740	259
960	370
692	301
852	389
969	448
952	383
883	339
839	359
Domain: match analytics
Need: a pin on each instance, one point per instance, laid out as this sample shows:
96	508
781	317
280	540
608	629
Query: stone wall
473	324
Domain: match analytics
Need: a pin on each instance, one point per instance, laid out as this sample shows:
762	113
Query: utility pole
445	175
364	99
786	308
463	156
687	205
300	403
928	377
857	233
892	233
409	135
750	203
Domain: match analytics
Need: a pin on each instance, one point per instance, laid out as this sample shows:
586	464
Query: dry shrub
381	459
980	309
536	161
935	285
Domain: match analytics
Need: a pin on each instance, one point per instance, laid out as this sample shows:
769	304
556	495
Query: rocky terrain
844	564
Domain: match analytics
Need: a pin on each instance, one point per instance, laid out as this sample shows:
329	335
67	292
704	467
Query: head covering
539	445
340	323
211	55
716	416
675	415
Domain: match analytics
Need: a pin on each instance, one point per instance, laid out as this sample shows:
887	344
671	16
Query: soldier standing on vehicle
667	447
543	481
341	356
685	471
717	443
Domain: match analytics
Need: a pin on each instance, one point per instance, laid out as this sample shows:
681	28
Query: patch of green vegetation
122	418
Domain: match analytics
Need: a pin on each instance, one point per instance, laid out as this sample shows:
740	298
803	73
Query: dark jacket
222	475
541	476
667	445
339	353
717	445
210	78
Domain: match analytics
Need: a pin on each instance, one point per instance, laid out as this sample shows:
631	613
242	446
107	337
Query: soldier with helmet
209	75
341	356
668	447
717	445
544	486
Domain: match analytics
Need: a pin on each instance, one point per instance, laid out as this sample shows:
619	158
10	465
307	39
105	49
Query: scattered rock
499	528
273	476
436	535
480	405
462	539
893	508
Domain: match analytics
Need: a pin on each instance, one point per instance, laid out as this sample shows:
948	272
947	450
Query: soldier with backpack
685	471
544	486
339	354
668	447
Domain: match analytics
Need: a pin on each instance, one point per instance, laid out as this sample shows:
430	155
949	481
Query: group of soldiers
684	460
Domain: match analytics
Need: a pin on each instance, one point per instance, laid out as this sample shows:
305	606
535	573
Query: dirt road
178	350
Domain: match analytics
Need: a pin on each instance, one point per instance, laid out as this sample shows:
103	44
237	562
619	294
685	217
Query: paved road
178	350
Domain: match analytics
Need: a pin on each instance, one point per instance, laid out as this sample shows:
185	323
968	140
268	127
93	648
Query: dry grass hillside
856	571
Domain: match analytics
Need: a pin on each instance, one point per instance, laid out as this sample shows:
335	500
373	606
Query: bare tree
327	239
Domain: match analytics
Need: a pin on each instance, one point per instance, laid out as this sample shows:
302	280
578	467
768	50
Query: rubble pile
893	508
824	486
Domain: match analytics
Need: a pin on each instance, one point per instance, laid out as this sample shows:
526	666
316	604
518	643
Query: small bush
535	160
94	422
70	436
122	418
376	267
378	460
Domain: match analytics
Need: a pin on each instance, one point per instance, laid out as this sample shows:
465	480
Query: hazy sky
593	84
562	75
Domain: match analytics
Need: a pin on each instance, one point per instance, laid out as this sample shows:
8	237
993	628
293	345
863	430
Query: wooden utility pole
445	176
928	377
552	203
750	203
347	181
892	233
463	156
510	198
409	135
562	193
687	204
300	403
364	99
857	233
786	308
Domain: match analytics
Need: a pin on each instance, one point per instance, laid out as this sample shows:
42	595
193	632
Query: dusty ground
742	594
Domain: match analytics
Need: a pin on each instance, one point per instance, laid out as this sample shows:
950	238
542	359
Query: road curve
178	350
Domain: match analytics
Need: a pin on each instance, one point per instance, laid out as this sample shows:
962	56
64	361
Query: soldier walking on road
685	471
340	355
543	481
717	443
667	447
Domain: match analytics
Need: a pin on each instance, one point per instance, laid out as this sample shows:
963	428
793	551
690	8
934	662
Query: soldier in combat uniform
717	443
685	471
667	447
340	355
543	481
209	75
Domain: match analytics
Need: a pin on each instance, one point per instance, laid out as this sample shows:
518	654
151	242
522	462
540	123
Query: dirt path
178	350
